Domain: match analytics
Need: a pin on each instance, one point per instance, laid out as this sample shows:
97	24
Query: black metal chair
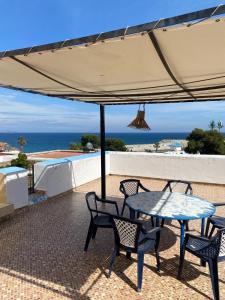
131	237
130	187
178	186
211	251
217	222
99	217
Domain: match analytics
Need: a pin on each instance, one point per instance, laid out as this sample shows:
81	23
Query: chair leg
213	268
211	232
202	263
132	214
157	260
140	269
114	254
181	265
124	203
157	251
152	222
89	235
207	228
187	226
94	232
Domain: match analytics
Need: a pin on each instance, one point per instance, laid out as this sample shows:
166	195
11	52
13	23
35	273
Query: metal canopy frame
124	97
147	27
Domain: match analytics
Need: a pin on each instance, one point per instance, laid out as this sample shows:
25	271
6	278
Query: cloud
203	107
26	113
22	116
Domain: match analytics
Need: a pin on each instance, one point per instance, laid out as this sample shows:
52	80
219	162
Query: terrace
42	258
41	246
53	154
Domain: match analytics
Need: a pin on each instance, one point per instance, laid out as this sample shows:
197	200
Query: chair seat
218	221
103	221
195	244
146	241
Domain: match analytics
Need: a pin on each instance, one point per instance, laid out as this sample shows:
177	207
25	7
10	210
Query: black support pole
102	136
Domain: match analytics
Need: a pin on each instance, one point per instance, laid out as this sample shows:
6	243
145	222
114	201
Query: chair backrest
178	186
126	232
129	187
216	249
222	243
92	203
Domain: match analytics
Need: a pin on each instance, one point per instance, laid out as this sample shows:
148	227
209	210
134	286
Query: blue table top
174	206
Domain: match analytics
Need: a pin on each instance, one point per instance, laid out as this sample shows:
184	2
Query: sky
27	23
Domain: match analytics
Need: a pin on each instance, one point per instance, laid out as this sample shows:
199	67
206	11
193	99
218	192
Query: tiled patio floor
41	257
211	192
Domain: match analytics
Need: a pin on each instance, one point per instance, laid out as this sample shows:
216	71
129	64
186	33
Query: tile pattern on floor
42	257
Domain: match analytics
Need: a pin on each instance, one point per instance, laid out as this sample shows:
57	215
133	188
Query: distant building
3	146
176	146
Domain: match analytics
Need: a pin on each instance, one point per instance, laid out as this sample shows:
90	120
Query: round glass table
172	206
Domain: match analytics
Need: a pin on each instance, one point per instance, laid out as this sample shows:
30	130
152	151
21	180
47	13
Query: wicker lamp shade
139	122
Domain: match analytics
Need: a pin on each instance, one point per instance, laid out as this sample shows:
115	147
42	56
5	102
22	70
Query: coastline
38	142
164	145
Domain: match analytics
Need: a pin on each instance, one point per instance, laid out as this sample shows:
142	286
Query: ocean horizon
39	141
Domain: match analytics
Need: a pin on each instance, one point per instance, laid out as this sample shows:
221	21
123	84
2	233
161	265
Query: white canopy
148	63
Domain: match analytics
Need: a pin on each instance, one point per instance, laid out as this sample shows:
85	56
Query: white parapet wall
61	175
16	186
194	168
4	159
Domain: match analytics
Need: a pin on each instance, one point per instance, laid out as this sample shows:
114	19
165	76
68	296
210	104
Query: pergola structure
178	59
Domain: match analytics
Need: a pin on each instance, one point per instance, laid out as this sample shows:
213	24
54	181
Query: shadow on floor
169	267
42	246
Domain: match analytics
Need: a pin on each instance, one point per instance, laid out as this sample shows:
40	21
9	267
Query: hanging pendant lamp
139	122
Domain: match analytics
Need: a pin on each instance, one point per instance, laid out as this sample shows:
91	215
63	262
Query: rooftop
42	254
55	154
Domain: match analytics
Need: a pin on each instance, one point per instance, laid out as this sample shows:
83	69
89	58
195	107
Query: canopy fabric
164	65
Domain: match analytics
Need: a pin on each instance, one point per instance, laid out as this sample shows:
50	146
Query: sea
51	141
